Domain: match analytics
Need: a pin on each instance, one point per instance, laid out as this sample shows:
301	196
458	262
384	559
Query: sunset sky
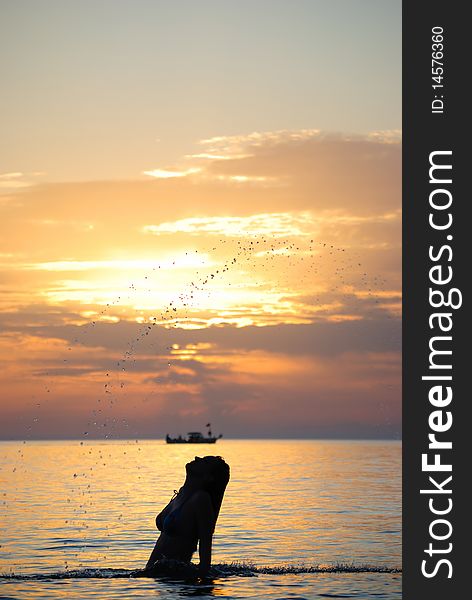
200	218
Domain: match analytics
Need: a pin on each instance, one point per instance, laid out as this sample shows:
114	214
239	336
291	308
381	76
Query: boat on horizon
194	437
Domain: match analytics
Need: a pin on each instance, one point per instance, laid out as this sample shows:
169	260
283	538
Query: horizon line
155	439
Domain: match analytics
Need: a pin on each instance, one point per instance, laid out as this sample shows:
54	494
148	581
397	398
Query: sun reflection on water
92	504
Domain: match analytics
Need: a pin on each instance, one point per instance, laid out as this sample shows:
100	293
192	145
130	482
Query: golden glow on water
75	505
287	501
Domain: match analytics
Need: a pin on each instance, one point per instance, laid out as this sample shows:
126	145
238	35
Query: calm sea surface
309	519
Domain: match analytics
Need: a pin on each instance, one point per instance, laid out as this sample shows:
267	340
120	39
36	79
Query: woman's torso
178	526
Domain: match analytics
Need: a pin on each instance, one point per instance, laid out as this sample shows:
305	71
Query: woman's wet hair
219	469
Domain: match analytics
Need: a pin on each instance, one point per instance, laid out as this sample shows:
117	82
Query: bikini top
169	524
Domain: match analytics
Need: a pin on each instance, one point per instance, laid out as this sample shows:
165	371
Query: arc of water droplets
244	252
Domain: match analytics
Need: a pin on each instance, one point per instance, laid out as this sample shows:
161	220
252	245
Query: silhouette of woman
191	515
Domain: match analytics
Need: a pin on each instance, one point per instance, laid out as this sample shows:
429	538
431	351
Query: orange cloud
267	272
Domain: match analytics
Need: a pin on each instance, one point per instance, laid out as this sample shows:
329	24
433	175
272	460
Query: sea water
300	519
